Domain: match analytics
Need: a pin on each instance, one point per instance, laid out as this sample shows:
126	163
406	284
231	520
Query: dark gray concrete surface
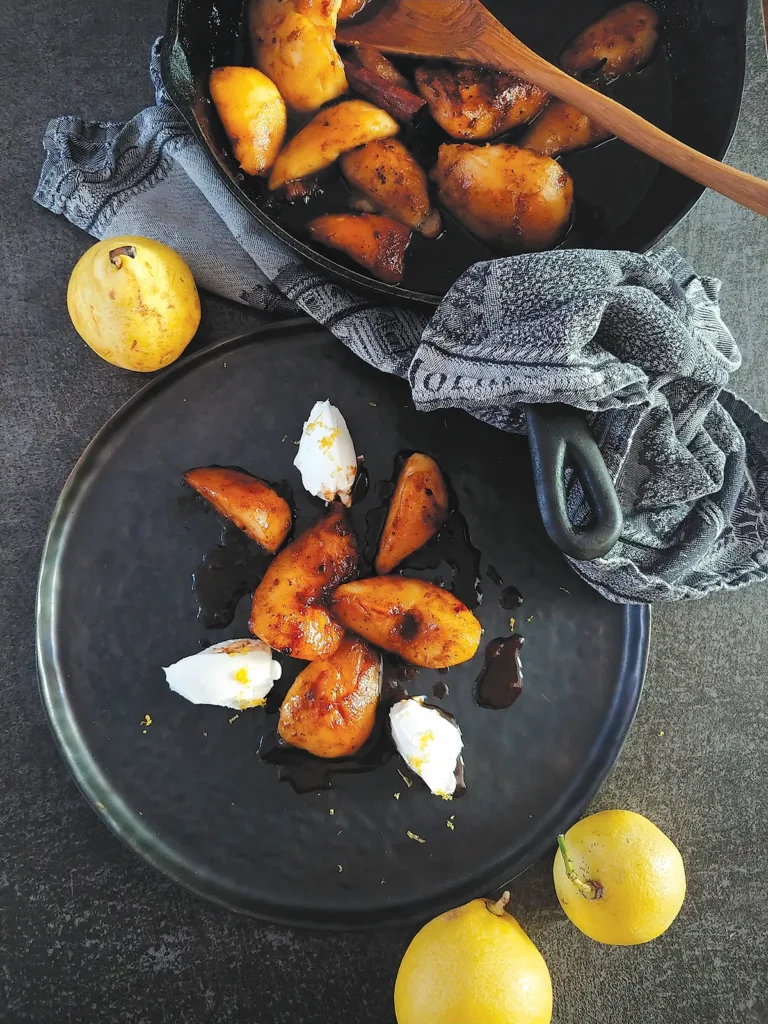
87	932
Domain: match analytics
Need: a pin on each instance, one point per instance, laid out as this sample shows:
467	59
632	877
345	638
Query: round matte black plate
188	792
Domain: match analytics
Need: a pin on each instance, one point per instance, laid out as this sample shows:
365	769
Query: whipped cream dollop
326	458
429	742
234	674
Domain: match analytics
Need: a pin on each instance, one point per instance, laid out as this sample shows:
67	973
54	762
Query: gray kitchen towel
635	341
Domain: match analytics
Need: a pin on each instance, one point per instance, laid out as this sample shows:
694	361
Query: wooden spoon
466	32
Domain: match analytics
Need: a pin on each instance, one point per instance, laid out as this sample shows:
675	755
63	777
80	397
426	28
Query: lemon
134	301
473	965
619	879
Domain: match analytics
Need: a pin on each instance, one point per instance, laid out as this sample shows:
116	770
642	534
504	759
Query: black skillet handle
557	433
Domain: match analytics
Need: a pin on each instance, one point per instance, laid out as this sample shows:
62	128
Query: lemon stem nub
589	889
500	905
122	250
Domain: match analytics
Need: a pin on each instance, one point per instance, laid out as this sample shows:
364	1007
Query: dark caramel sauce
510	598
360	486
494	575
307	773
501	681
228	571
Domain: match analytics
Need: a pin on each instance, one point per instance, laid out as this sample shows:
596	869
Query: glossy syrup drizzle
501	680
228	571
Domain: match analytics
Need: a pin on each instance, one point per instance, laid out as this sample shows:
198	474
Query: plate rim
149	846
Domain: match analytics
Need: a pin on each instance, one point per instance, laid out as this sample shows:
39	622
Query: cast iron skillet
624	200
692	88
187	792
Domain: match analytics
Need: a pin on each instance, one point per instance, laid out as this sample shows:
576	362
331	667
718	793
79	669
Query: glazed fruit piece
618	43
330	133
377	243
387	174
418	509
288	611
253	506
418	621
477	104
330	709
561	128
510	197
253	114
293	43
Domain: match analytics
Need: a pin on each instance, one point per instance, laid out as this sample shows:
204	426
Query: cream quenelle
326	458
429	742
234	674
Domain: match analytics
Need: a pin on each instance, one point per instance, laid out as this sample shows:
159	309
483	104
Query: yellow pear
134	301
473	965
619	879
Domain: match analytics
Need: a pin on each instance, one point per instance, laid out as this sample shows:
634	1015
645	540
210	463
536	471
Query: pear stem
122	250
589	889
500	905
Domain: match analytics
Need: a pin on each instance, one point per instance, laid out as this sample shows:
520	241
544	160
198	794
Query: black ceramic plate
188	792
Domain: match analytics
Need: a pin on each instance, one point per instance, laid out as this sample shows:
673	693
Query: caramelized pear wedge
330	709
247	501
561	128
476	104
620	42
253	114
331	132
387	174
418	509
418	621
288	611
377	243
292	42
510	197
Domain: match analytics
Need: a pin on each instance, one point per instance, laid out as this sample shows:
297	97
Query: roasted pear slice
292	42
253	114
376	243
621	41
512	198
288	611
474	104
330	709
561	128
248	502
330	133
418	509
395	183
420	622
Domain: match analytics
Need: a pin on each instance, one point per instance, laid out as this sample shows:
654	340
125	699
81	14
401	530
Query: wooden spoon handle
492	48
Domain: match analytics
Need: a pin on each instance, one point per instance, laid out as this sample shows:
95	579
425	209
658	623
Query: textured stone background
88	934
